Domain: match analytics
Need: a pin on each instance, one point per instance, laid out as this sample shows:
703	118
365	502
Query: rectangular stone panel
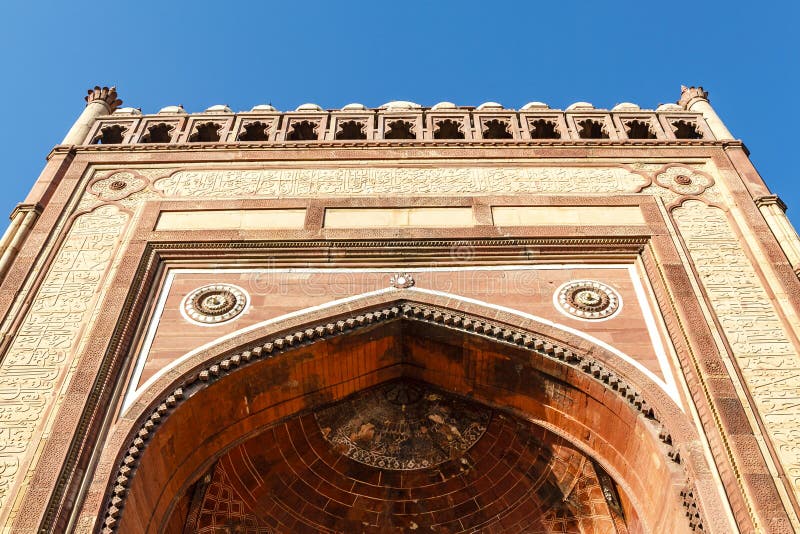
566	215
231	219
394	217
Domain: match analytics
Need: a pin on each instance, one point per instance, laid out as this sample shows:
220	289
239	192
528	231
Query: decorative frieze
376	181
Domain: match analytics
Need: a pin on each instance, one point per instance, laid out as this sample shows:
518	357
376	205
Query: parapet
397	121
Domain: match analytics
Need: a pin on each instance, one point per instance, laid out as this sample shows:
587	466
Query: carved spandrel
38	355
397	181
768	360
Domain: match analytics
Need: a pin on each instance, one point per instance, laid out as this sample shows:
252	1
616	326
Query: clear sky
200	53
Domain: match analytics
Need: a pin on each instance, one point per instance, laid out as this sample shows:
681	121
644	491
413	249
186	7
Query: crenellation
489	121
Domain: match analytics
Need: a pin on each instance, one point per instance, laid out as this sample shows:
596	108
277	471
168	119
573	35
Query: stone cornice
308	145
36	208
769	200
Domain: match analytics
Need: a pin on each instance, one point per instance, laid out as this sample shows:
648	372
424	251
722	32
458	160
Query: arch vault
584	404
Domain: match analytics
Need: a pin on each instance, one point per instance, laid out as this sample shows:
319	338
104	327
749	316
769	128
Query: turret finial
105	94
691	93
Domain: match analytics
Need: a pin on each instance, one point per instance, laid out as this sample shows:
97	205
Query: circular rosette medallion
587	299
403	425
214	304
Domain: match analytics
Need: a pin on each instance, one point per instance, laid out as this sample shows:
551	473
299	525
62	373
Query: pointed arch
581	391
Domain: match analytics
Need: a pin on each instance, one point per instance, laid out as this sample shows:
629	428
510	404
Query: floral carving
118	185
683	180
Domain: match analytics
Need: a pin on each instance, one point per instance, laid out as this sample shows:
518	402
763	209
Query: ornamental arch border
592	367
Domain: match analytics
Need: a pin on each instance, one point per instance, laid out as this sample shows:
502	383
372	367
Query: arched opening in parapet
686	130
592	129
110	135
158	133
302	131
400	129
206	133
448	129
639	130
496	129
254	131
351	130
522	430
544	129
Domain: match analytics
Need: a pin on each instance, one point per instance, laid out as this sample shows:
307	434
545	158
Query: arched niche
225	394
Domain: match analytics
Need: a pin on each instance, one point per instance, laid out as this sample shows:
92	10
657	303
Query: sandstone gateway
402	319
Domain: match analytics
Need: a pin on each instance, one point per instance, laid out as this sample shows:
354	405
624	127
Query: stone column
773	209
696	99
100	101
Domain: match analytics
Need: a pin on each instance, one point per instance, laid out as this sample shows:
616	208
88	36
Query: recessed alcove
404	456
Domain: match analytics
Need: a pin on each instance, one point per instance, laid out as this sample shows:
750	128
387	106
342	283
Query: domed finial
108	95
690	94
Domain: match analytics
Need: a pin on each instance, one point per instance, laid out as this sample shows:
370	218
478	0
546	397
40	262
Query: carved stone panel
397	181
36	364
761	346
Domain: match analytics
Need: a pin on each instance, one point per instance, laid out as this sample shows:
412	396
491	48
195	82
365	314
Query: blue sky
245	53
